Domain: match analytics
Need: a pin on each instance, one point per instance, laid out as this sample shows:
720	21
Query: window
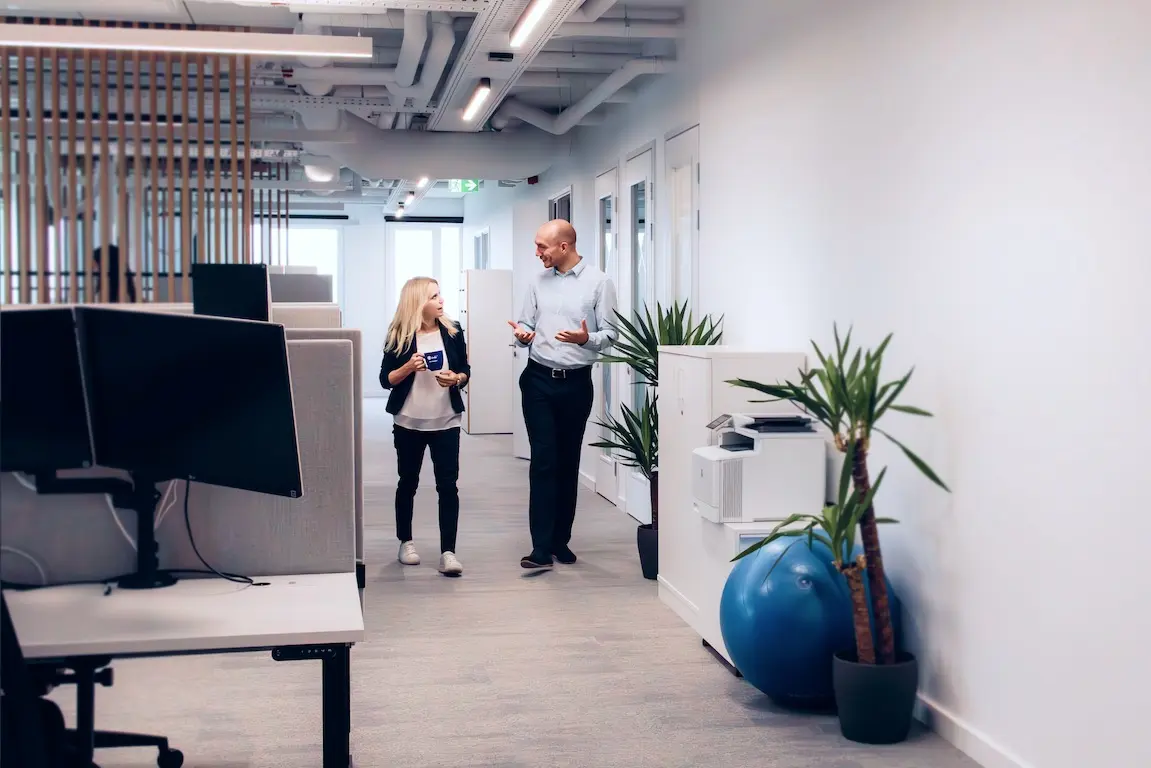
414	257
316	249
449	272
561	207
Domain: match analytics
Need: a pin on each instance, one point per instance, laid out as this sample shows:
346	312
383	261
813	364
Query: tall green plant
639	339
845	395
634	439
837	526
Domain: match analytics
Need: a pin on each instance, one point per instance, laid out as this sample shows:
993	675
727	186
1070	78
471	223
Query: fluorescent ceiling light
528	21
266	44
400	212
422	183
319	173
483	90
410	199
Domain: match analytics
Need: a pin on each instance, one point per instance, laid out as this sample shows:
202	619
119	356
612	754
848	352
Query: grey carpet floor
582	666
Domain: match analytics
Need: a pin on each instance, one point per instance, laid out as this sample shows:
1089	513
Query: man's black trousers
556	408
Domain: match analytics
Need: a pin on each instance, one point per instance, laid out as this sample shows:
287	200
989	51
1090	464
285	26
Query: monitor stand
139	496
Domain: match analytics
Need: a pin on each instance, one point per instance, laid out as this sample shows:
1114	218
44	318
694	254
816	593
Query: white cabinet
485	306
694	553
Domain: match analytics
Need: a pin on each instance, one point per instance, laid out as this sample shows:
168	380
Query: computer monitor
200	398
43	414
240	291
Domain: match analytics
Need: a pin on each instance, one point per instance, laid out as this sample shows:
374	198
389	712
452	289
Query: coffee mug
434	360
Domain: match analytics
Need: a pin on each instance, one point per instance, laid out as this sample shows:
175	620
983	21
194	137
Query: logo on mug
435	360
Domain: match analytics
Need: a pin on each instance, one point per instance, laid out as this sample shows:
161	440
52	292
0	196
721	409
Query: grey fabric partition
295	287
76	538
353	335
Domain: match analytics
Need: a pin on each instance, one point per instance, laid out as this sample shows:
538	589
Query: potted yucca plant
634	438
844	393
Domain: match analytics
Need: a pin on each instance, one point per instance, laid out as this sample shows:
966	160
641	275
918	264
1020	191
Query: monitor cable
192	539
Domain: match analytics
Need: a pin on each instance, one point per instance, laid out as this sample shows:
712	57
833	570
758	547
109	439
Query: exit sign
463	185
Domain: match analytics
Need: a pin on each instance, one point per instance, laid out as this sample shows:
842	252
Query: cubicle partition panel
79	538
301	287
355	337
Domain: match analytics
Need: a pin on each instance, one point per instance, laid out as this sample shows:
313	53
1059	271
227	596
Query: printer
761	468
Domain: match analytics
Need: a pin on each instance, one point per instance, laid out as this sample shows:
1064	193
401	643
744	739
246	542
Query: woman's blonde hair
410	314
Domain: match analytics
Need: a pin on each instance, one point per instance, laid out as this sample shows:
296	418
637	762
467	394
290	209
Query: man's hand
417	363
446	378
523	335
574	337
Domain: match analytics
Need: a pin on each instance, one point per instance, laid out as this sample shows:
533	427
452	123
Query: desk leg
337	707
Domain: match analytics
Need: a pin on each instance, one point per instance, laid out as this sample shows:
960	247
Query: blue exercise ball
785	611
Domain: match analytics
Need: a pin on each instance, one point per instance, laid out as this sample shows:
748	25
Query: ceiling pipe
591	11
593	62
632	30
321	81
375	153
364	18
573	115
329	77
412	48
439	52
307	28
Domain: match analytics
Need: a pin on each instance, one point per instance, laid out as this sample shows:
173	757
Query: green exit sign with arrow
463	185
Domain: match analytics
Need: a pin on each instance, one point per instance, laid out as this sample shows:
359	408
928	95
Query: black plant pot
647	541
875	701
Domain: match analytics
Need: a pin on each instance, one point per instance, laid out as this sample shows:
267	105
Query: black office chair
86	673
36	736
30	727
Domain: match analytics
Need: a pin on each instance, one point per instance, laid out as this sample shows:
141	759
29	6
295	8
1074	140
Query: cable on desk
192	539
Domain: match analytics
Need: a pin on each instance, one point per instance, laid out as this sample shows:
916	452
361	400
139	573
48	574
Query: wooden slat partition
23	199
72	206
7	251
135	154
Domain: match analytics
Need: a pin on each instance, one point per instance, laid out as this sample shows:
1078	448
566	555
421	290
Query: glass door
641	257
423	250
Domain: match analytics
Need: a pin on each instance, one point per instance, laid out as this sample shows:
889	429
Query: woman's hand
416	363
446	378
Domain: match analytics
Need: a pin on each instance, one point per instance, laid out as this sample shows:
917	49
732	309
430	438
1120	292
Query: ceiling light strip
479	96
529	20
267	44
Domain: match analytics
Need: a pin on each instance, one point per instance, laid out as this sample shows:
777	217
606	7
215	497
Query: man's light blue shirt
557	301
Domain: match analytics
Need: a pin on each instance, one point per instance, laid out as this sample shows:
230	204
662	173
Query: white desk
315	616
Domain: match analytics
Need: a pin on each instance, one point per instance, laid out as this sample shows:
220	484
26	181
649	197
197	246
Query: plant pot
875	701
647	541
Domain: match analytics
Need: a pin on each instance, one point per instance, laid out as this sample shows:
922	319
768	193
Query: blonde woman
425	366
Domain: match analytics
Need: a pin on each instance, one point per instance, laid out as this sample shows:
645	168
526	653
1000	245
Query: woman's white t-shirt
428	406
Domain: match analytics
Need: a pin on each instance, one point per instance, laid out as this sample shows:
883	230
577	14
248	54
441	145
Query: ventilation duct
381	154
591	10
573	115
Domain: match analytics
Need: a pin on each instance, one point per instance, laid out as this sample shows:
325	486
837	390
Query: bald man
565	324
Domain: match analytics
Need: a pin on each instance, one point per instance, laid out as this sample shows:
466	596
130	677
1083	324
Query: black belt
560	373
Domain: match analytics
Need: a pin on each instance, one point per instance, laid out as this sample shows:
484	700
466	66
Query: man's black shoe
564	555
536	560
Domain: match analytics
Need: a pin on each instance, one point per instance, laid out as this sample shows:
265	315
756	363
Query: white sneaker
408	554
450	564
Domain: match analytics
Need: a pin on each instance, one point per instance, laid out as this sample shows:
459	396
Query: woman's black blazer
456	358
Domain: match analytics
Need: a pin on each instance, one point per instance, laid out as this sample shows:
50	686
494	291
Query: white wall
975	177
491	210
364	274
